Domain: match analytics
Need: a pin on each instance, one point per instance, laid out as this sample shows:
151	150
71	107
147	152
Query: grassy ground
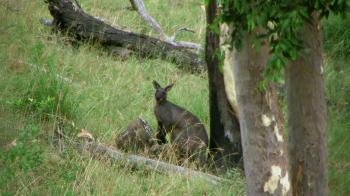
107	93
337	50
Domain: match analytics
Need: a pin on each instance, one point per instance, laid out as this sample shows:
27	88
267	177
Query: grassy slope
337	48
108	93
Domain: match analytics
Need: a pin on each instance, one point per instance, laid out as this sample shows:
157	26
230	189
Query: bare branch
179	31
78	4
97	149
142	162
67	17
141	8
188	45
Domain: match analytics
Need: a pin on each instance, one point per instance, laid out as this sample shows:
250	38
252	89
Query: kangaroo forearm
161	135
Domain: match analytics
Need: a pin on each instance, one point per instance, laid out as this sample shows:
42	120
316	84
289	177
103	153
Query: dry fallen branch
142	162
69	18
99	150
141	8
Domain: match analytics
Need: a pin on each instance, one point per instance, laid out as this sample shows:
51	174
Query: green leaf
238	6
206	3
317	4
303	13
285	61
293	53
215	28
279	63
221	65
251	26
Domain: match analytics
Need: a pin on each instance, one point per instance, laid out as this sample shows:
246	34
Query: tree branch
69	18
99	150
142	162
141	8
179	31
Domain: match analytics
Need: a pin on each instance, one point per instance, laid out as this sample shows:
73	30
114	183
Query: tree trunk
225	139
265	155
307	118
68	17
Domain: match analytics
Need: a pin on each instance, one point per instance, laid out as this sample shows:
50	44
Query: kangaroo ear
168	88
155	84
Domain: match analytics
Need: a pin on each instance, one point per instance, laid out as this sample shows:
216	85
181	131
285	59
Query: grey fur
187	132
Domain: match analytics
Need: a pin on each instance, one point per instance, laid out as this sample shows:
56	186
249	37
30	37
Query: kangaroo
186	130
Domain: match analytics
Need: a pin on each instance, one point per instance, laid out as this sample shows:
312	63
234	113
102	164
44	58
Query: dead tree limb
141	8
87	143
97	149
69	18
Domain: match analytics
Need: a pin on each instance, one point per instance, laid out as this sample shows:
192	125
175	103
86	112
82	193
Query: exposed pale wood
225	137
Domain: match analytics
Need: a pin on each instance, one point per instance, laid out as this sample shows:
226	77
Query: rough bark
68	18
266	163
307	118
225	142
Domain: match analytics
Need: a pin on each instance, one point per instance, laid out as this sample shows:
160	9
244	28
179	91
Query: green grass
107	93
337	71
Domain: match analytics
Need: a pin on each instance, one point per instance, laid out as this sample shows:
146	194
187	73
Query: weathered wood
137	136
141	8
69	18
97	149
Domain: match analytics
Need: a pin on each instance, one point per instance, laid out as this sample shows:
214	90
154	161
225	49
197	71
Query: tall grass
337	71
103	95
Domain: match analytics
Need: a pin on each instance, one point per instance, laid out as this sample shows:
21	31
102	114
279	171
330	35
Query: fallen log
72	19
87	143
97	149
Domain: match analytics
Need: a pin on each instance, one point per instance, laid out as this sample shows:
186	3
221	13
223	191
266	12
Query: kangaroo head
161	93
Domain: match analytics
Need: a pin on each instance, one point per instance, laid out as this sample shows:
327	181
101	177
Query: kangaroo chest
170	116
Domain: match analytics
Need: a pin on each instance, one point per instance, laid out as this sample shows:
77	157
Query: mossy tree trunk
307	117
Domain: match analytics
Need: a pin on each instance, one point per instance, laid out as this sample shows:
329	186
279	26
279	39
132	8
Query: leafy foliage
281	22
